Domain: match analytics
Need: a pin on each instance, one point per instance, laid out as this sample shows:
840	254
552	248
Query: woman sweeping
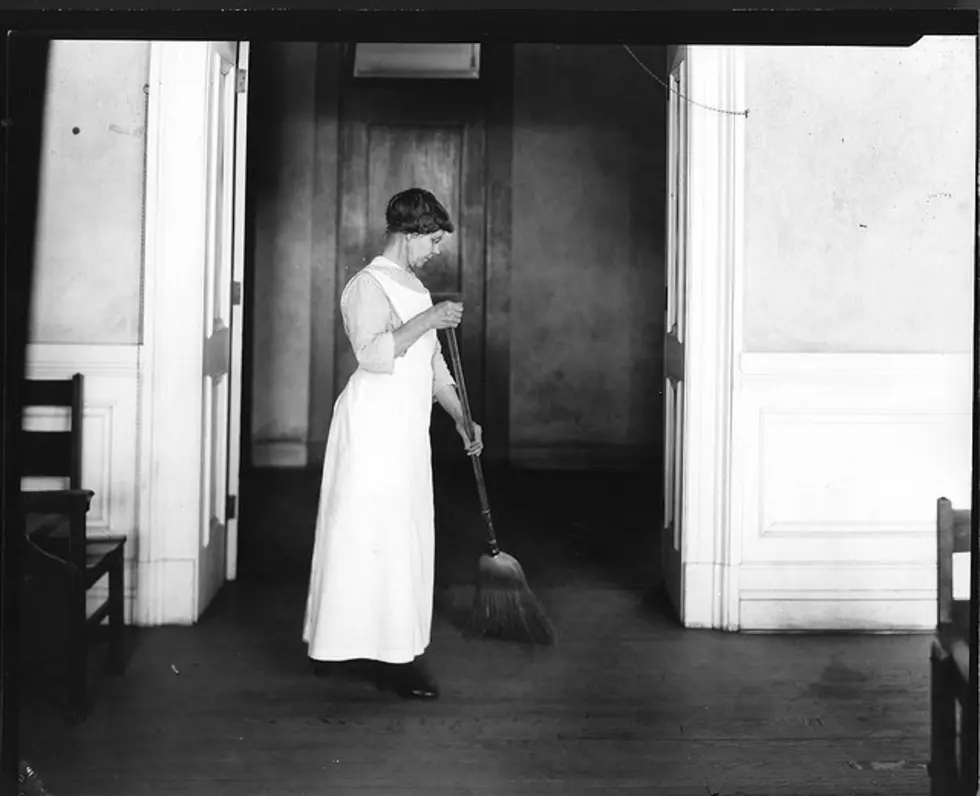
372	576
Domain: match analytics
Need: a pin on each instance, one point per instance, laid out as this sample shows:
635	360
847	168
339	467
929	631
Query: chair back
53	454
953	536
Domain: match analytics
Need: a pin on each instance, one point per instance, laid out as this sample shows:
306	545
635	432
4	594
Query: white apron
371	580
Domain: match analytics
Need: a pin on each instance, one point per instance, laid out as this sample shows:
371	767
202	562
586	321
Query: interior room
718	333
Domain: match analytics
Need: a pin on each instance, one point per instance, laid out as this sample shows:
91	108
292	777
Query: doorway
402	133
552	163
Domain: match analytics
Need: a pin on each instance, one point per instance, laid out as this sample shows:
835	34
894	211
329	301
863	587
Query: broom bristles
504	607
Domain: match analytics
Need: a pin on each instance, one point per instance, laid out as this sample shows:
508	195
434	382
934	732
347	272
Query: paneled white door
220	299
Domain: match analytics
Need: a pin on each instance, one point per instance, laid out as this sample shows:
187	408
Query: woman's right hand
446	315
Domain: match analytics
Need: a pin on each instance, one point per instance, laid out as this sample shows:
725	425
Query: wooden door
218	278
677	219
398	134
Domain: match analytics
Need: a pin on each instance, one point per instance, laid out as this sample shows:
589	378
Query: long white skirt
371	580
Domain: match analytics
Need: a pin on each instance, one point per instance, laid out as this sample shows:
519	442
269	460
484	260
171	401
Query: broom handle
464	400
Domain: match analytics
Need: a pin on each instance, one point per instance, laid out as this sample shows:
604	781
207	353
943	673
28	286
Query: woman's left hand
474	447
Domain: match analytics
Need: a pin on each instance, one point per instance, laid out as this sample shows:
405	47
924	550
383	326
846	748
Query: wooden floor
628	703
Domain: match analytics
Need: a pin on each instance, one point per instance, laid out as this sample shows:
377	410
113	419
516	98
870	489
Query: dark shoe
408	680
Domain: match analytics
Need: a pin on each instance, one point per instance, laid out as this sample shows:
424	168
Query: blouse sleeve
367	320
441	377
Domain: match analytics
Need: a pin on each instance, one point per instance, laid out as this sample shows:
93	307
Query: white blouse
369	320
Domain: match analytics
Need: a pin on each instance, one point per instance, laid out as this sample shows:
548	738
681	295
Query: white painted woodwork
187	349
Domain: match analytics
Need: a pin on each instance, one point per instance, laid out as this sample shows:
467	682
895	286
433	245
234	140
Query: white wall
86	299
89	248
860	192
853	386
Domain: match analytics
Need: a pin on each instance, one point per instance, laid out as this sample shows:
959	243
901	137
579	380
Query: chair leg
968	754
116	664
942	765
77	655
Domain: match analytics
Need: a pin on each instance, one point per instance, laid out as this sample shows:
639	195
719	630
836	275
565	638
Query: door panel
237	315
409	155
218	275
428	134
672	546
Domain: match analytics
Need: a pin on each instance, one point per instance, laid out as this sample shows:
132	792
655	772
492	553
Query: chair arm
56	501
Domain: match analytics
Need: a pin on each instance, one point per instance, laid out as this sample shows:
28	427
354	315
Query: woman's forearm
409	333
449	400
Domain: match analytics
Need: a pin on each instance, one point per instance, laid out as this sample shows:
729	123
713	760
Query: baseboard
583	456
315	451
883	613
167	591
280	453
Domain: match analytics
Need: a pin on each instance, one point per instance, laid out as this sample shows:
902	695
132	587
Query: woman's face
422	248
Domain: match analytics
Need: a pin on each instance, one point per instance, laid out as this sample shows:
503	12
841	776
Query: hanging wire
646	69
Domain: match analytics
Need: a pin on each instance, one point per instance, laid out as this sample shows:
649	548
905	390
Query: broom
504	606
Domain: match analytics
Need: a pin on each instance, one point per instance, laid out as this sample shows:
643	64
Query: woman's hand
446	315
474	447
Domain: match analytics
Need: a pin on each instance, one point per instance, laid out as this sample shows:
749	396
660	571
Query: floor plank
627	703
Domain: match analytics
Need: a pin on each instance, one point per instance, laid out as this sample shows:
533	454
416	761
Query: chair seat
99	549
956	652
51	532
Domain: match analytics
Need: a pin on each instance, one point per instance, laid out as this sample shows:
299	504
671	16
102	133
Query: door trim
710	551
238	314
171	356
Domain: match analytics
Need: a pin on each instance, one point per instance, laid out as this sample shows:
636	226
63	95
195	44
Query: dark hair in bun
416	211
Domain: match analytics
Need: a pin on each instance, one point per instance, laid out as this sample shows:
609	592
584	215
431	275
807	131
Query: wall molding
286	453
95	358
839	460
859	366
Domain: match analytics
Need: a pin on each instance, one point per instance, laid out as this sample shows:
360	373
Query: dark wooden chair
57	539
954	739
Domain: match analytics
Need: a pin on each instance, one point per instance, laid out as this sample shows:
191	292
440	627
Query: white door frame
171	359
710	555
237	314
